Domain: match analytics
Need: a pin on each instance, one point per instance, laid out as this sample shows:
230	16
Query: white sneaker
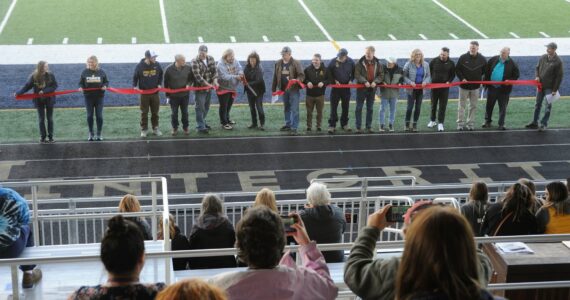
157	132
431	124
440	127
143	133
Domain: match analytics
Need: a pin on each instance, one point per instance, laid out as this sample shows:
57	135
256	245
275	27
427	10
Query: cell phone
288	221
396	213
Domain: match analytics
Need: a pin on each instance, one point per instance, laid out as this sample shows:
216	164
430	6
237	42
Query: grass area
122	122
376	19
526	18
247	20
49	21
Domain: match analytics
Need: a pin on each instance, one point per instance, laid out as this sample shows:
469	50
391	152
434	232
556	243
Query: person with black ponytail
122	253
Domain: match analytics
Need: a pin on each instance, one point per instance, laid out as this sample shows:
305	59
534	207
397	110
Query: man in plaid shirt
205	74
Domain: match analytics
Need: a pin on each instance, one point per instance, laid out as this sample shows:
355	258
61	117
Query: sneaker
174	131
43	140
156	132
346	128
381	128
391	127
99	138
431	124
285	128
331	130
232	122
542	128
319	129
186	131
407	129
293	132
31	277
415	128
91	137
252	126
144	133
359	131
208	127
440	127
50	140
227	127
531	125
203	131
486	125
460	128
261	128
309	129
470	128
369	130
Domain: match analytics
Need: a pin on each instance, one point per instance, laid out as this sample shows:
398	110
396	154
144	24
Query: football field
52	22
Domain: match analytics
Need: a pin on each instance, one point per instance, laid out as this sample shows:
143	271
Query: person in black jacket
254	79
499	68
341	70
93	77
148	76
212	230
470	67
316	80
42	81
178	242
178	75
442	71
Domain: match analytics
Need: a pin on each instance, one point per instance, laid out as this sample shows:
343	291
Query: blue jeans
366	94
383	105
175	104
94	104
540	95
291	108
202	107
18	246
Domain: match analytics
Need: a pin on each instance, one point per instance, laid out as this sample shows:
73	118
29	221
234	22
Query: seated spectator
513	215
325	222
554	216
371	278
439	261
178	242
266	197
122	253
192	289
16	234
212	230
271	275
474	210
130	204
537	201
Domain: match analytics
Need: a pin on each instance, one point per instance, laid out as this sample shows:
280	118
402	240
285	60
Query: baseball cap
203	48
150	54
286	49
552	45
342	52
391	60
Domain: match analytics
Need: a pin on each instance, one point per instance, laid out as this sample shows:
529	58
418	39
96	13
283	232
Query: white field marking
392	37
164	24
99	40
323	30
453	36
544	34
297	38
460	19
133	40
200	39
233	39
65	41
7	16
30	41
360	37
423	37
265	39
516	36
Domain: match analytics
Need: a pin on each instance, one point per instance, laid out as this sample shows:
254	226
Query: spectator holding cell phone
272	274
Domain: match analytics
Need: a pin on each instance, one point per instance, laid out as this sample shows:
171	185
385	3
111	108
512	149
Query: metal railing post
166	228
15	282
363	204
72	234
35	220
153	201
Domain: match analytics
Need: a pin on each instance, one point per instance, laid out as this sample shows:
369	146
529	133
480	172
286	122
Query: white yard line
30	41
232	39
164	24
392	37
65	41
516	36
133	40
7	16
265	39
312	16
460	19
360	37
544	34
453	36
423	37
297	38
99	40
200	39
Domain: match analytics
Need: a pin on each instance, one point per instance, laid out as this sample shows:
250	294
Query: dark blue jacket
341	72
147	76
49	87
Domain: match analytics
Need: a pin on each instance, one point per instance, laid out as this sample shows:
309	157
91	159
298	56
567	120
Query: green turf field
122	122
82	22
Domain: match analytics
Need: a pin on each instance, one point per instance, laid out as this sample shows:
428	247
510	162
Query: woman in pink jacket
272	274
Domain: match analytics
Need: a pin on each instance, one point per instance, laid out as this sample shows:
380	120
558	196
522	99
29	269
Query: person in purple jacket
270	273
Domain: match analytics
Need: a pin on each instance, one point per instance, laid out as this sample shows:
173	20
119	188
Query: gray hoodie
229	75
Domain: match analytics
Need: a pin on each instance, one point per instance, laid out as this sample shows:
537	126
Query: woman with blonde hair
192	289
42	81
93	84
416	72
439	239
230	75
130	204
178	242
266	197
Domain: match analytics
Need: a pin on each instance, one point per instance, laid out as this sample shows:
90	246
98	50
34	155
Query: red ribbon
427	86
127	91
289	85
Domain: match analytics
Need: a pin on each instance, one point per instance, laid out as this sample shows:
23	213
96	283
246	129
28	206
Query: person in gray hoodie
230	75
416	72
